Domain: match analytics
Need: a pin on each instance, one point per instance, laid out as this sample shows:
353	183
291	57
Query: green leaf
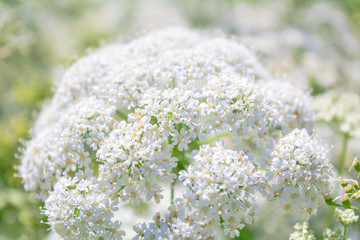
77	212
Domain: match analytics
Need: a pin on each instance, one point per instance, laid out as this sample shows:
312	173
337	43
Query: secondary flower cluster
302	232
346	217
130	118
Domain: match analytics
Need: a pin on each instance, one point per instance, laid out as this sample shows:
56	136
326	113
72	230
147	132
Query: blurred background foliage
40	38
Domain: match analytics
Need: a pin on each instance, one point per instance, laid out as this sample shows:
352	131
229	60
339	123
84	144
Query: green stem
172	193
342	158
209	140
173	82
121	115
351	207
345	231
340	168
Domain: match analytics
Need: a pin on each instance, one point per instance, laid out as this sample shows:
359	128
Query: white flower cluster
128	118
302	232
78	207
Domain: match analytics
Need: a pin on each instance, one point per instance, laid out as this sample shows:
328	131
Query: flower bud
356	164
345	201
343	182
329	201
348	188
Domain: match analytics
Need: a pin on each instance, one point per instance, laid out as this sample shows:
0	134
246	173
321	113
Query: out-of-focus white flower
333	234
341	110
311	43
14	37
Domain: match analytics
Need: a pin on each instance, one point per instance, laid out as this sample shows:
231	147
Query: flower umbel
128	119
